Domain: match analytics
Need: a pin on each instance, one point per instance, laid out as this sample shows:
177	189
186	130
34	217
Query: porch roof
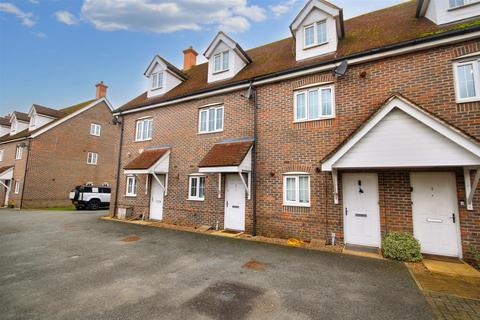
6	173
401	134
152	160
228	156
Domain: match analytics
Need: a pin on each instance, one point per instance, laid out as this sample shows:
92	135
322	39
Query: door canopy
151	160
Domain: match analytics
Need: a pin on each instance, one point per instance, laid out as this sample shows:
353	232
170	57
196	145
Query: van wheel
93	204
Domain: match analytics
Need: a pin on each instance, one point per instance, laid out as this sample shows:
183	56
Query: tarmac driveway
71	265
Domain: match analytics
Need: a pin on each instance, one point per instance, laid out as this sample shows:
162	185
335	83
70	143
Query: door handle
346	211
227	204
453	217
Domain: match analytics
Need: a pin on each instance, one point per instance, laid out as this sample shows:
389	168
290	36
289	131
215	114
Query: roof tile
226	154
146	159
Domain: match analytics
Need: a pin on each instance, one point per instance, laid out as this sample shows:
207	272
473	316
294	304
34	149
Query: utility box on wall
124	212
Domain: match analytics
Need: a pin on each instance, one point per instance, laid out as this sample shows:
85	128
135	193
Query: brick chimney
189	58
101	90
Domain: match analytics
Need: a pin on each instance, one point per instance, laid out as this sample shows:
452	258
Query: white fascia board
143	171
14	140
221	36
398	102
218	169
327	67
70	116
152	64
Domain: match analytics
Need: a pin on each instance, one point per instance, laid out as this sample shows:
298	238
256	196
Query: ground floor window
196	188
17	187
296	189
131	186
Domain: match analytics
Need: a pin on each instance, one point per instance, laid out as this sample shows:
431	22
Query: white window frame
131	192
296	176
207	119
92	158
95	129
157	80
2	152
17	187
463	4
221	56
319	94
18	153
475	62
140	134
198	178
315	26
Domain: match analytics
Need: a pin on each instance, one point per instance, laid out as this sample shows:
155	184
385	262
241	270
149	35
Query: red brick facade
58	160
424	77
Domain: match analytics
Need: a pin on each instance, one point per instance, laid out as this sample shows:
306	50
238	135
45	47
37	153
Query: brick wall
9	152
178	126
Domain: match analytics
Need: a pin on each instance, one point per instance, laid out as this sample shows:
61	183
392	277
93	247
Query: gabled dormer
19	121
4	125
225	58
317	29
448	11
40	115
162	77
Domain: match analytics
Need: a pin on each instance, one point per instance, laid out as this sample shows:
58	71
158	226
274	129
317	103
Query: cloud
282	8
165	16
27	18
41	35
34	1
66	17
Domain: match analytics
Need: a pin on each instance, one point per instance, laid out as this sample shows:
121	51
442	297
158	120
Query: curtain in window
219	120
322	32
303	189
301	106
291	189
225	60
203	121
465	81
313	104
326	102
309	36
211	119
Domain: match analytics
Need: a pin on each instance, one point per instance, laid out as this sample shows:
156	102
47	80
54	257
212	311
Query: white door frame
225	202
379	231
457	227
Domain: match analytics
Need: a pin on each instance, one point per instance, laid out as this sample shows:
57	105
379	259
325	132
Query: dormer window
315	34
221	61
157	80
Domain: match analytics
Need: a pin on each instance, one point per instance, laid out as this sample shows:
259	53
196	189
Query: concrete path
71	265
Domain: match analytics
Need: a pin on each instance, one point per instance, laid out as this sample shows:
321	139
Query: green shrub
475	254
401	246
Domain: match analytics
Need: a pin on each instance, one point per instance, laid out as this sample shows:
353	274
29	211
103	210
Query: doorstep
362	251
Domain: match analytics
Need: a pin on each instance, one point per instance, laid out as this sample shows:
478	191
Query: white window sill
463	6
92	164
210	132
311	120
18	158
155	89
314	45
130	195
305	205
467	100
143	140
220	71
197	200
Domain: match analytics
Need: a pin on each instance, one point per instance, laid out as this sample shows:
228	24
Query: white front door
361	209
435	212
234	203
7	191
156	198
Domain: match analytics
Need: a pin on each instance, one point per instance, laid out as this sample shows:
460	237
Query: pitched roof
373	30
5	121
65	111
3	169
146	159
226	154
48	111
21	116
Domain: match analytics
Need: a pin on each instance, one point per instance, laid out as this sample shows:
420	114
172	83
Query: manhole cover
130	239
226	300
255	265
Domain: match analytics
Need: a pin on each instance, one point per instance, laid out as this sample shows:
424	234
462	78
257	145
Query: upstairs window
144	129
131	190
296	189
92	158
221	61
467	81
315	34
95	129
18	153
196	188
157	80
314	104
211	120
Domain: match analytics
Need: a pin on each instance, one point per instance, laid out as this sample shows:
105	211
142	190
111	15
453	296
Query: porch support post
146	183
249	175
166	183
335	185
3	184
219	185
244	184
470	189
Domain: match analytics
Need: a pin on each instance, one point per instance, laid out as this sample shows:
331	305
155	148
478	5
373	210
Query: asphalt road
71	265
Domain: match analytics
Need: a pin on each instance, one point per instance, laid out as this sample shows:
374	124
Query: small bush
401	246
476	255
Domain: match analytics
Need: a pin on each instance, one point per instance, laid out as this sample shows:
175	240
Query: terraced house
344	131
47	152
